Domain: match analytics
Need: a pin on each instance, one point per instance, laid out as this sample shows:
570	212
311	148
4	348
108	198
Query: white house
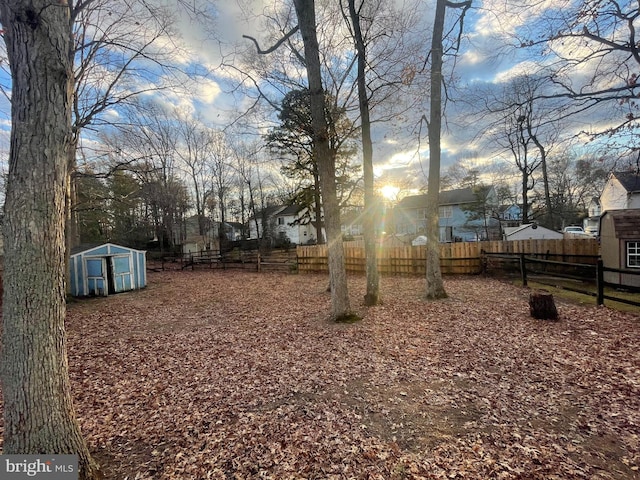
531	231
622	191
282	222
592	222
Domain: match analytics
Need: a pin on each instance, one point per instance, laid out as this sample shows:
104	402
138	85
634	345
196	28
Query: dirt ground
225	375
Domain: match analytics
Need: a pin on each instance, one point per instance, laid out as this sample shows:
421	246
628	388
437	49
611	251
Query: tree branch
277	44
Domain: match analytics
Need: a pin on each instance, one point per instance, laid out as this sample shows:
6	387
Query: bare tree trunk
373	281
545	179
318	206
73	225
522	159
222	235
199	207
435	285
525	197
38	411
72	230
340	307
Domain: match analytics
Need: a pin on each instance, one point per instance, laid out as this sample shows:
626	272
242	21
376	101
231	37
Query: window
446	211
633	254
280	220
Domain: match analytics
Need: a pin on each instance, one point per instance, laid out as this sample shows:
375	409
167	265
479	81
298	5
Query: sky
483	63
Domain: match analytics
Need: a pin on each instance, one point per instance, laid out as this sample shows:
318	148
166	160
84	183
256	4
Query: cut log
542	306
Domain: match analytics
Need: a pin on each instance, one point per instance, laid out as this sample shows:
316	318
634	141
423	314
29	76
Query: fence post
600	282
259	262
523	270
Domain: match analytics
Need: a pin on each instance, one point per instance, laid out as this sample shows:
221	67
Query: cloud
529	67
207	91
505	19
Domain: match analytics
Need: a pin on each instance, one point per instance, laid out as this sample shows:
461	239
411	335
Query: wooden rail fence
273	260
456	258
589	273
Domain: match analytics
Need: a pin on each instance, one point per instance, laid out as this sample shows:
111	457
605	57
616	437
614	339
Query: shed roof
625	222
537	231
84	247
87	247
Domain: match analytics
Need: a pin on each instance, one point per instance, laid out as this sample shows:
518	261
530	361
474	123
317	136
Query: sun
390	192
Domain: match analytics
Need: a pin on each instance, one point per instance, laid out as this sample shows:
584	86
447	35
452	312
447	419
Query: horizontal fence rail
591	274
602	283
284	260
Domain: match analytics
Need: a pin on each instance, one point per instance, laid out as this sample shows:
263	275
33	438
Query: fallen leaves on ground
235	375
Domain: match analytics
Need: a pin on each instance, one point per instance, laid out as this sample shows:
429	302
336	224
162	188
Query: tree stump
542	306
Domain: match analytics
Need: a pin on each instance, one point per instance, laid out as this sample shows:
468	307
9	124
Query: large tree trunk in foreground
340	307
38	412
435	285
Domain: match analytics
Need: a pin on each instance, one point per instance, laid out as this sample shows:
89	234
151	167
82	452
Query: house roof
268	211
459	196
413	201
626	222
290	210
236	225
505	208
273	210
630	181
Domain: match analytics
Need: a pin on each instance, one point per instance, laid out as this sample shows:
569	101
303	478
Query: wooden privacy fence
455	258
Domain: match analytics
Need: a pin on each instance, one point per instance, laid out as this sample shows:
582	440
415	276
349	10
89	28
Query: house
622	191
620	245
283	223
592	222
234	231
464	215
531	231
106	269
351	223
510	215
196	240
352	219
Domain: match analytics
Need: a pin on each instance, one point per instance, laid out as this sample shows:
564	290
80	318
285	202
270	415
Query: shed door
96	276
121	269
